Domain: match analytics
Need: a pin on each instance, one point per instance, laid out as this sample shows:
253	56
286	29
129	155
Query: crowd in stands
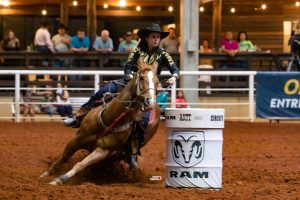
33	101
80	43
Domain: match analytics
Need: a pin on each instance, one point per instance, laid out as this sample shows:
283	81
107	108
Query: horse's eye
141	78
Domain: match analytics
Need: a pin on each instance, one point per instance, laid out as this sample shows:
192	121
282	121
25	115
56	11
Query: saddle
83	111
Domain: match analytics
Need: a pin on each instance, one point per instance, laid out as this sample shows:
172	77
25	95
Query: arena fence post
251	97
17	97
173	96
96	82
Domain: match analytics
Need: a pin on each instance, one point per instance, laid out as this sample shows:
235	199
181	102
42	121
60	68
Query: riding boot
75	120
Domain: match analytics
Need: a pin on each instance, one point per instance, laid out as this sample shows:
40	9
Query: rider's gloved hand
171	80
128	77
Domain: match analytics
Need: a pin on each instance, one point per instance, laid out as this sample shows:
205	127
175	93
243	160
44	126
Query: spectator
294	42
64	107
25	107
205	48
162	98
103	43
80	44
61	43
229	46
43	42
170	43
180	100
127	46
206	64
48	98
10	42
245	45
295	26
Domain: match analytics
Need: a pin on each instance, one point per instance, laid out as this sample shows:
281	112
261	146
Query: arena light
232	10
122	3
138	8
297	3
5	3
170	9
201	9
105	5
75	3
264	6
44	12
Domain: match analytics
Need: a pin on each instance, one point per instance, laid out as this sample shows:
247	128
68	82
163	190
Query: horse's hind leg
97	155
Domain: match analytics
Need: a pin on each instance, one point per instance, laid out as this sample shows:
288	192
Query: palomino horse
106	129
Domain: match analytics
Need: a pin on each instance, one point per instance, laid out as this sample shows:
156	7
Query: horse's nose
149	102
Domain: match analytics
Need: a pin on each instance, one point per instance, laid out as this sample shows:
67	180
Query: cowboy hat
154	28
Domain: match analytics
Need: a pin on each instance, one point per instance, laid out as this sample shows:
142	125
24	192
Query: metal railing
99	74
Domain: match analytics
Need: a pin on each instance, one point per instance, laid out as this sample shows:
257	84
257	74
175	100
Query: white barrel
194	154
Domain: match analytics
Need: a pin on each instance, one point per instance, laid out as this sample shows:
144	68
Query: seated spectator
127	46
180	100
205	63
245	45
43	42
27	108
170	43
61	43
48	97
64	107
103	43
10	42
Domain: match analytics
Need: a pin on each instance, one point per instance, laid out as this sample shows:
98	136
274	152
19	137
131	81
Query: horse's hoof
44	174
56	181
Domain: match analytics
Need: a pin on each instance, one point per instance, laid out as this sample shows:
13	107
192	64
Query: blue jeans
44	49
64	110
113	87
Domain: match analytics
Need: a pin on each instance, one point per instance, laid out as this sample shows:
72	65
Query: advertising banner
278	95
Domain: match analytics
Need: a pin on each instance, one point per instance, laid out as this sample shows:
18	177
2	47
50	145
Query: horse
105	129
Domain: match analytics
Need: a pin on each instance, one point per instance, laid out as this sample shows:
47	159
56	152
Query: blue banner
278	95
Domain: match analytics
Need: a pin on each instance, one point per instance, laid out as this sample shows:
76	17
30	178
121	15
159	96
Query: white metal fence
99	74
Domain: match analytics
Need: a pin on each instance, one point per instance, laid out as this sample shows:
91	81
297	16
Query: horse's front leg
97	155
80	141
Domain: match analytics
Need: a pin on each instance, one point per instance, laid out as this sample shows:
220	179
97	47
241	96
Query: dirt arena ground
260	161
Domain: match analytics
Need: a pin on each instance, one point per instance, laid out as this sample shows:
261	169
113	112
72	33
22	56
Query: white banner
194	158
194	118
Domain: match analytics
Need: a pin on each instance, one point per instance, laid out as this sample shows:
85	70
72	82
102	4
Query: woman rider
148	49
